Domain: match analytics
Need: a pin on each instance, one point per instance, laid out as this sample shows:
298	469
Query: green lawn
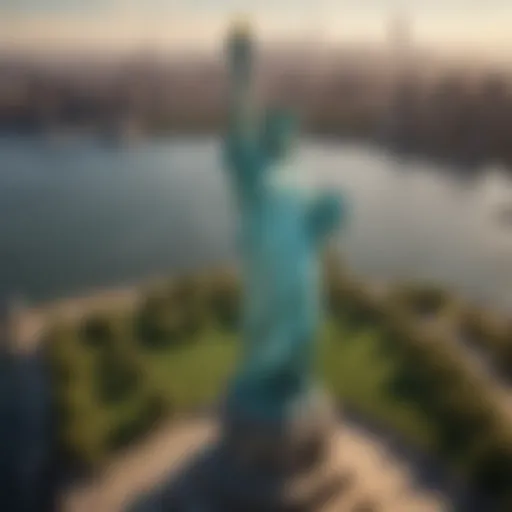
195	374
360	374
351	364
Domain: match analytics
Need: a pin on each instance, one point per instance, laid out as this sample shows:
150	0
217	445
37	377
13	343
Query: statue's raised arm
240	55
242	143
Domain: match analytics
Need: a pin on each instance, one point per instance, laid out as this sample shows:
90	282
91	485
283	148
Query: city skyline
452	25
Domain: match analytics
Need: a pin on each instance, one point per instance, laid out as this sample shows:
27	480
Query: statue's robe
281	230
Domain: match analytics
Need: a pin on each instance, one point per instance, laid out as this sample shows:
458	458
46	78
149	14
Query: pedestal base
261	466
288	446
213	486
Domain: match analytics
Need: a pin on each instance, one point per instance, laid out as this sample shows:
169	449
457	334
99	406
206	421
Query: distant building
400	35
399	126
6	325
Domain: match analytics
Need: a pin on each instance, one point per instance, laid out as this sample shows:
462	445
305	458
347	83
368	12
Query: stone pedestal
260	467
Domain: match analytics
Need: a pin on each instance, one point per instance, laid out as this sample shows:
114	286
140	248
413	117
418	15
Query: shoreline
457	164
28	322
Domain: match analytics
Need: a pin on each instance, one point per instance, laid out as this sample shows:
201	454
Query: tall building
401	41
6	326
399	126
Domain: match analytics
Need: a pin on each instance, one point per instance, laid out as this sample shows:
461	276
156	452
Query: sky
116	24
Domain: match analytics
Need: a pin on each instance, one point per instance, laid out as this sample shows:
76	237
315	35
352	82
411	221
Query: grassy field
351	364
359	373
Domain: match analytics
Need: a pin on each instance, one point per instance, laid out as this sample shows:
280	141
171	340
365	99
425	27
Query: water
79	215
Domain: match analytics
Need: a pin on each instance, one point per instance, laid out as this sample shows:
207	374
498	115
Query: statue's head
279	132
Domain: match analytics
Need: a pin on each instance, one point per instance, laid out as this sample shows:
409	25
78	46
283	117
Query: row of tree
471	430
491	335
98	365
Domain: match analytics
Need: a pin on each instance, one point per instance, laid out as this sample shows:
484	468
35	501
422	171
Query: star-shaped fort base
261	467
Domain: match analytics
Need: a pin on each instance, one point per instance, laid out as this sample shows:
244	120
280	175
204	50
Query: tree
153	408
98	331
116	378
422	300
190	296
157	323
225	301
491	469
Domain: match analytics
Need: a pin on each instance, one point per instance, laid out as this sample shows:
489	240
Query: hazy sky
482	24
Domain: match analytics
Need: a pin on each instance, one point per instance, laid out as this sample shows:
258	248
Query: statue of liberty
282	229
272	425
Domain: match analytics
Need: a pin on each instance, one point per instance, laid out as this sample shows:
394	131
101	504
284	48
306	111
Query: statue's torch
240	55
